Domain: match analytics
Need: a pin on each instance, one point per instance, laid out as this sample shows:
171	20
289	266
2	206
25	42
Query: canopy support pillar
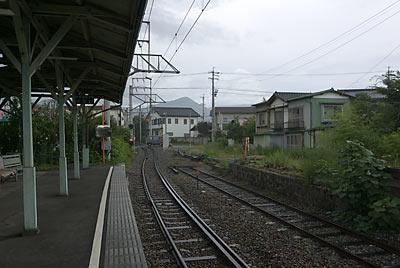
85	147
63	159
29	175
76	151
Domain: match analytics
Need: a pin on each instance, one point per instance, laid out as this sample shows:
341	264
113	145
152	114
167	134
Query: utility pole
214	92
203	107
151	123
130	110
108	122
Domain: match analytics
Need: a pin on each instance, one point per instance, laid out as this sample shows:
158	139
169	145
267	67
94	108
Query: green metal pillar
85	146
62	159
76	151
29	176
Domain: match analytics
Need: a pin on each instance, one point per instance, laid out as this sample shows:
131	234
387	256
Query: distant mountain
186	102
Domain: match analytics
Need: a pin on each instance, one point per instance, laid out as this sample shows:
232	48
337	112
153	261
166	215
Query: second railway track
366	251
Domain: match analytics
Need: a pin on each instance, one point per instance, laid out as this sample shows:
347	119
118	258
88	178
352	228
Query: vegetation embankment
45	125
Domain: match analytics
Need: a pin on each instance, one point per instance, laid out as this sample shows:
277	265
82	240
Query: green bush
360	182
391	146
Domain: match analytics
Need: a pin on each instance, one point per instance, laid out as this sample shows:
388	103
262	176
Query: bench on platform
10	166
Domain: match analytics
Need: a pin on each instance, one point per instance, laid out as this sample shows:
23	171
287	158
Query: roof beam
53	42
47	86
77	83
11	57
19	32
65	10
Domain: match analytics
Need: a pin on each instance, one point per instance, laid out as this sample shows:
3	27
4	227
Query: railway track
190	239
364	250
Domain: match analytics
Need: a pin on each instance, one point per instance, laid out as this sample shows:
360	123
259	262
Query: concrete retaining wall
194	140
291	187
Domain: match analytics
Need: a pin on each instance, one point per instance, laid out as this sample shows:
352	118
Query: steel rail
227	251
344	252
163	227
351	232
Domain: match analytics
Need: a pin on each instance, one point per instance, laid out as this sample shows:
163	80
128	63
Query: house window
296	118
278	114
192	121
169	121
185	121
261	118
330	111
176	121
294	140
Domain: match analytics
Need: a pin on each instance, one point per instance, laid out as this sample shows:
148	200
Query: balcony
296	123
277	125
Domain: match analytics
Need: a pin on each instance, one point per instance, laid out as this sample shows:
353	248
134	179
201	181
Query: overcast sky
245	38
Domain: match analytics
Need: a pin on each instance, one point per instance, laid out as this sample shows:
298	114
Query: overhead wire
377	64
354	28
183	40
336	48
340	36
180	26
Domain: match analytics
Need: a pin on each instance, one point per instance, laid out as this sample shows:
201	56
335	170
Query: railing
296	123
277	125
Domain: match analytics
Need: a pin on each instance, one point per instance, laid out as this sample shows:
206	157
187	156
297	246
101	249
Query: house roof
234	110
373	93
176	112
289	96
285	96
308	95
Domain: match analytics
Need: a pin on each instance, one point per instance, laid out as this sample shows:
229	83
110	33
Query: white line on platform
96	246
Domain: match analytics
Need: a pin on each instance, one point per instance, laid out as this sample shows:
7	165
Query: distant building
176	122
226	115
115	112
293	119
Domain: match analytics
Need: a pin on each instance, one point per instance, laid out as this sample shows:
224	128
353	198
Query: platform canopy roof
91	41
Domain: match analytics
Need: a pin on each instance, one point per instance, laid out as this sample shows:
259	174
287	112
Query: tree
235	131
391	89
250	128
136	123
204	129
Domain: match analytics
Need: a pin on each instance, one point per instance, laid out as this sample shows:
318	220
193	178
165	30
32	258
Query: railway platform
67	224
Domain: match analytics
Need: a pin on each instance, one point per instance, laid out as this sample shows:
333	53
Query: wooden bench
10	166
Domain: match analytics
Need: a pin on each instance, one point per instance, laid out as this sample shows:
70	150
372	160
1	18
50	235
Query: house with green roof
295	119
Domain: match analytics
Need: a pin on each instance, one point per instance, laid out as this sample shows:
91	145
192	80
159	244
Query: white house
177	122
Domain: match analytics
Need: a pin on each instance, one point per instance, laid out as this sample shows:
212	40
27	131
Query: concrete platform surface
123	246
67	224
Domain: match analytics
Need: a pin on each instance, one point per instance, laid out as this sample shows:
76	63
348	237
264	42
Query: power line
183	40
340	46
307	74
241	94
148	19
179	75
340	36
177	31
354	28
373	67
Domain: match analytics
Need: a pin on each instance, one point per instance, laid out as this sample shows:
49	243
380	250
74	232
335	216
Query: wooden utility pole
203	107
214	92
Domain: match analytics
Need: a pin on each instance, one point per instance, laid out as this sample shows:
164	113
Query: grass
301	162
